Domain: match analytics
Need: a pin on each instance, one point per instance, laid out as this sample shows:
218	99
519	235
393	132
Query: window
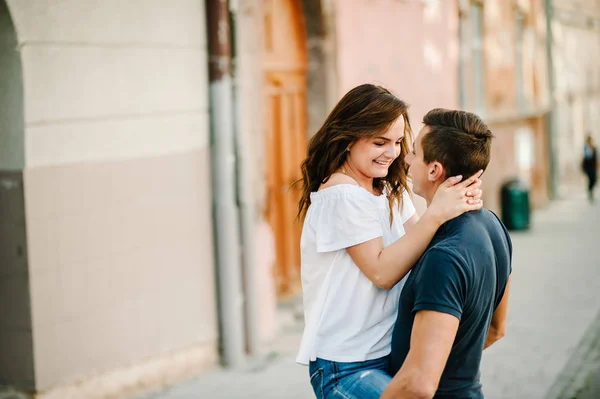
471	66
478	62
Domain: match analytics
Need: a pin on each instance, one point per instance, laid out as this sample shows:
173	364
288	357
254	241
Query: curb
581	367
592	388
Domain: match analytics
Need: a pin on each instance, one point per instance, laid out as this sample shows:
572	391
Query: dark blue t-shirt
463	272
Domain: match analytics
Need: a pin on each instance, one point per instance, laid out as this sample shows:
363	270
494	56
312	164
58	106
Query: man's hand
431	340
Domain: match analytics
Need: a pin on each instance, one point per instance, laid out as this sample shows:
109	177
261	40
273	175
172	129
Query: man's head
589	141
450	143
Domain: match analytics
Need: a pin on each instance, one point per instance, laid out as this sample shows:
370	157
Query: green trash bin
515	205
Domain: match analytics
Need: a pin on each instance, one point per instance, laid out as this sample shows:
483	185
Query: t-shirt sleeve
345	221
441	284
408	208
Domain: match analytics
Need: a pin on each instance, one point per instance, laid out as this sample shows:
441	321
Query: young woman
360	238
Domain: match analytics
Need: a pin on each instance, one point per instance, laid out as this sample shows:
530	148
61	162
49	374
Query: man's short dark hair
459	140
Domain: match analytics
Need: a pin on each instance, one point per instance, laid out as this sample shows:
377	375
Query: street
552	341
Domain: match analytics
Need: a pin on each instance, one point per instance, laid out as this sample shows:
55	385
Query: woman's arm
385	266
410	223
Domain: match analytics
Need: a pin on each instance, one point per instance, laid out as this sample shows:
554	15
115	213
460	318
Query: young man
455	300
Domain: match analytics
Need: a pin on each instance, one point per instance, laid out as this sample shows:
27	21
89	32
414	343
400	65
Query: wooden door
285	104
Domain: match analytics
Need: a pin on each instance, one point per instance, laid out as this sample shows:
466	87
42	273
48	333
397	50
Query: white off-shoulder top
348	318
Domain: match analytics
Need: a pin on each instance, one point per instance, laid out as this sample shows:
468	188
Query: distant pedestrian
590	165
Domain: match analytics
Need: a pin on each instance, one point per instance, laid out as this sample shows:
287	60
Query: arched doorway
16	342
285	70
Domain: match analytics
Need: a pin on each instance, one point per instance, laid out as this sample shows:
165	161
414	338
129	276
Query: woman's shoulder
340	187
338	179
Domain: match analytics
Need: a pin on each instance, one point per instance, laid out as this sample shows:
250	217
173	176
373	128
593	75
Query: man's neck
431	193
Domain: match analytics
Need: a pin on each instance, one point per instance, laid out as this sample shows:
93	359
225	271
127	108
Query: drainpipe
551	116
225	211
246	198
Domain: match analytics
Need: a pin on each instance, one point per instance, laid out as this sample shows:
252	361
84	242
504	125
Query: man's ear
436	172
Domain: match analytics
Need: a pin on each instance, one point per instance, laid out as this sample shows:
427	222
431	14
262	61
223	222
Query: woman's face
372	157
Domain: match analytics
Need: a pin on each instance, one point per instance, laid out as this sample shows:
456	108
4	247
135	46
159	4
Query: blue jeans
360	380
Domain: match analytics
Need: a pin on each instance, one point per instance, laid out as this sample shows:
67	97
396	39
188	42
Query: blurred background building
129	259
575	56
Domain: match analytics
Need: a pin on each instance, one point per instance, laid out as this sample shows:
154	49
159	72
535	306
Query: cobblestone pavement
553	322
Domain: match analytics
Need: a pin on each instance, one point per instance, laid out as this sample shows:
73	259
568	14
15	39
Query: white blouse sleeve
343	221
408	208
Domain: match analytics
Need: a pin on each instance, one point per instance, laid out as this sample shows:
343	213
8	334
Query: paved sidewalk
553	321
554	302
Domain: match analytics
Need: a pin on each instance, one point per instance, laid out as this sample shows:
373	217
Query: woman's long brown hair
364	112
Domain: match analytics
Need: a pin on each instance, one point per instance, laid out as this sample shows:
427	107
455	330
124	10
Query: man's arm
431	340
498	324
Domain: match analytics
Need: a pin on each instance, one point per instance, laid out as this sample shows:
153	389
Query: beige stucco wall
117	185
